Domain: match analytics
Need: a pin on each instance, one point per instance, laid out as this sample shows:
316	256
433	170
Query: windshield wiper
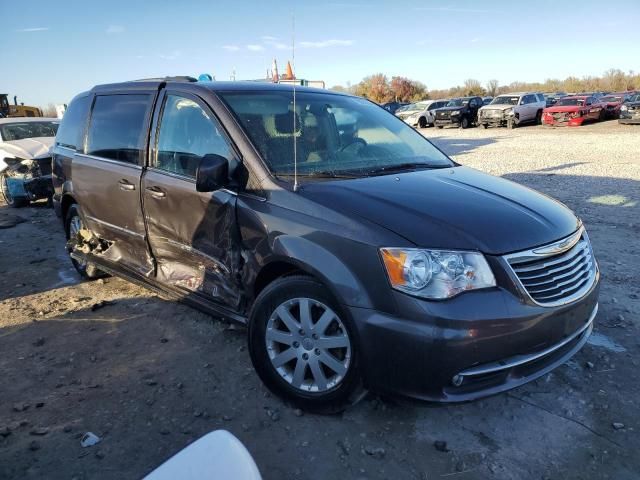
320	174
404	166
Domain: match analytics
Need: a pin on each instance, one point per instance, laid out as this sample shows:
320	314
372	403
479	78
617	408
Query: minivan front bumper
477	344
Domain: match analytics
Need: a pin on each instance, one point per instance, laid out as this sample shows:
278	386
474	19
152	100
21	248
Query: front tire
422	123
73	224
303	346
10	200
464	123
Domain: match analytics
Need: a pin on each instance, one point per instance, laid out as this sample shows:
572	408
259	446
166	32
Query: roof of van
215	86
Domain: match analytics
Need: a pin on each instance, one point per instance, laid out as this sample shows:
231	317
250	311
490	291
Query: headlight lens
436	274
509	111
455	112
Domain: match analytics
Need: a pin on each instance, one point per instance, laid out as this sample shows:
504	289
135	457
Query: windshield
611	99
457	102
22	130
334	134
505	100
635	98
570	102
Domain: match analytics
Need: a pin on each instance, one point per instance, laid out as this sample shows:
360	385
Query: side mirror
212	173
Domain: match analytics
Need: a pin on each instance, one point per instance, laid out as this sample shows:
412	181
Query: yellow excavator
15	110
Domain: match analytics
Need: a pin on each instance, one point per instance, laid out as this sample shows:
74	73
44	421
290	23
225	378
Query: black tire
9	200
485	125
422	123
281	291
464	122
87	270
440	126
539	117
603	115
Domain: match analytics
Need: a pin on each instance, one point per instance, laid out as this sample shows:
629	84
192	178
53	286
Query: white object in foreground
217	455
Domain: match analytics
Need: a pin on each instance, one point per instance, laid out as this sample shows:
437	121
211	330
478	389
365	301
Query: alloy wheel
308	345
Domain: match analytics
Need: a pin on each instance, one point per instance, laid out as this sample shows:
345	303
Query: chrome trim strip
562	257
108	160
546	250
522	359
114	227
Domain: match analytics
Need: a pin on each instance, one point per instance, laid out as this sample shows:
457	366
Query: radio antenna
295	142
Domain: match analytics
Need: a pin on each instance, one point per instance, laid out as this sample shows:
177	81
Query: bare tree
473	87
50	111
492	87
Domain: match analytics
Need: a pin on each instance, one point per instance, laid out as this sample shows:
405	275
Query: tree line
381	89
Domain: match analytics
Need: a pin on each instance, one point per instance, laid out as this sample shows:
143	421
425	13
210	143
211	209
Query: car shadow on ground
453	146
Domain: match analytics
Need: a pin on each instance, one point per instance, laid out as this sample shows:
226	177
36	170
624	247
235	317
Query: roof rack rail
178	78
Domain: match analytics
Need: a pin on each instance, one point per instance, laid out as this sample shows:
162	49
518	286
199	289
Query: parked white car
421	114
25	161
513	109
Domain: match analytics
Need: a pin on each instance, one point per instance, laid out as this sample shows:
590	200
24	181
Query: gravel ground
149	376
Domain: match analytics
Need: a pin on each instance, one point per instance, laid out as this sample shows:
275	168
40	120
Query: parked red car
613	102
574	111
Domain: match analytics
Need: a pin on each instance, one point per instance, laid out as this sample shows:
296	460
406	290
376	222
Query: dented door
193	235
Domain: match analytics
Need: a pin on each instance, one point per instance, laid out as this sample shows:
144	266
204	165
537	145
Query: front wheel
539	117
603	115
422	123
303	346
464	123
14	202
485	125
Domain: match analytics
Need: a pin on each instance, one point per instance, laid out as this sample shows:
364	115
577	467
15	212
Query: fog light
457	380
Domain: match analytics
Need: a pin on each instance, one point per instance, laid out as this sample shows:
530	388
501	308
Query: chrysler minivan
356	252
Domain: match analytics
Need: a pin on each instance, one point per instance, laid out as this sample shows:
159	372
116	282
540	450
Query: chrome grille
558	273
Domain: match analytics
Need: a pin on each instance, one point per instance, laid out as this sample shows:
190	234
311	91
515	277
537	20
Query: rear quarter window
73	123
118	127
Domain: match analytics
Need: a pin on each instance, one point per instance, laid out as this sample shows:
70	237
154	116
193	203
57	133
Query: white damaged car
25	161
420	114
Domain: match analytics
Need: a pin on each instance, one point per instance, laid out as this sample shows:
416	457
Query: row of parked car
515	109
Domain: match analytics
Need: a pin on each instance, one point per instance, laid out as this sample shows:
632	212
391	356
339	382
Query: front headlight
509	111
436	274
455	112
624	108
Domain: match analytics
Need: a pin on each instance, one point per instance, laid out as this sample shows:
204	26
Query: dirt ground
150	376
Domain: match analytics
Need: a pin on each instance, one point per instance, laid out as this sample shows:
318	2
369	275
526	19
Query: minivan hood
452	208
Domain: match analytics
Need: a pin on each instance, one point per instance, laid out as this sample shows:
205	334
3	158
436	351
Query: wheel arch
65	203
296	255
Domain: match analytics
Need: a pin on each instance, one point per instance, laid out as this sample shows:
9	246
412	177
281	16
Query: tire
422	123
440	126
603	115
511	123
539	117
289	360
11	201
464	122
87	270
485	125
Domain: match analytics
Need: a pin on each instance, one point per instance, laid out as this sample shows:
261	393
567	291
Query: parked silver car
513	109
421	114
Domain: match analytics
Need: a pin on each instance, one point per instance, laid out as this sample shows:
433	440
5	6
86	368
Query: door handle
156	192
126	185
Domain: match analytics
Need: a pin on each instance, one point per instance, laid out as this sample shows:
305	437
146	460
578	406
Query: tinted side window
72	127
117	127
188	133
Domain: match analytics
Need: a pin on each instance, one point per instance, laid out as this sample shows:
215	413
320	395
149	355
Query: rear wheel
603	115
14	202
485	125
539	117
303	346
440	126
422	123
73	225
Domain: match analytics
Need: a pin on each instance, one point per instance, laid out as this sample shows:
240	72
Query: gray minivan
356	252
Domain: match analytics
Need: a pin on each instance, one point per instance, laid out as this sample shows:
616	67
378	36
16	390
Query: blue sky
55	49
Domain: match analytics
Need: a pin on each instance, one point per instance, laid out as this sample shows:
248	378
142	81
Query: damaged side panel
194	238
